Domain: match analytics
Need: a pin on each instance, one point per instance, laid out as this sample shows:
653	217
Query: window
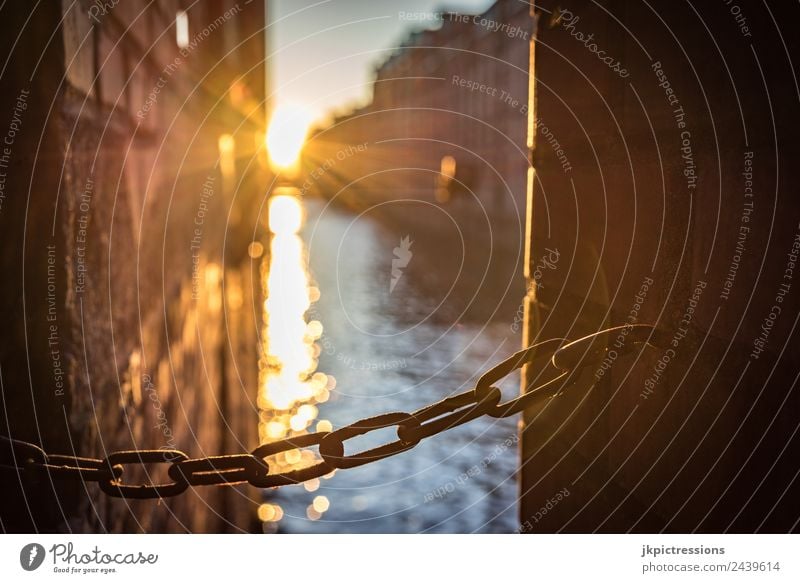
182	29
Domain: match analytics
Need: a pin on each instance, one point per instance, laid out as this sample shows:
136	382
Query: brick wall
119	230
458	90
655	190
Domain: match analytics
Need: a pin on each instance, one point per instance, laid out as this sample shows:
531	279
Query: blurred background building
446	160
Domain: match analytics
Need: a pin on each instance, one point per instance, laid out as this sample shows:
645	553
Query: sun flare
286	135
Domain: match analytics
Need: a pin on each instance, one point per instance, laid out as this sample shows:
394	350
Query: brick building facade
124	223
459	90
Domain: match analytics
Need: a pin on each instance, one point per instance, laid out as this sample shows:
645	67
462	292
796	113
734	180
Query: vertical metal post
530	328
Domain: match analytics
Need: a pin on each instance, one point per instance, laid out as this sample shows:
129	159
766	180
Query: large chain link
565	360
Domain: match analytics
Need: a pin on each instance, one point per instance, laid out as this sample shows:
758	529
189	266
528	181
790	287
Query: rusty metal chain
565	358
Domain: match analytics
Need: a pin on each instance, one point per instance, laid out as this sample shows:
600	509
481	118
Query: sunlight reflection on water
387	356
290	388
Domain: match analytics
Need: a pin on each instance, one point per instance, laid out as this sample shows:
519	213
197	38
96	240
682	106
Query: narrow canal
349	334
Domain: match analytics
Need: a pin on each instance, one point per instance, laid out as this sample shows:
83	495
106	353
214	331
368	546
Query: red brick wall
626	211
146	364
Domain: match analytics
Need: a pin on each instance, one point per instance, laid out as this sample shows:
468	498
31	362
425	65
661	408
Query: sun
286	135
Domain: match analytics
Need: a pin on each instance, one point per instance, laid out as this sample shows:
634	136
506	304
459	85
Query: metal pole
531	322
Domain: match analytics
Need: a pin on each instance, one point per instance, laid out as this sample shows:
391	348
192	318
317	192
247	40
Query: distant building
443	144
459	90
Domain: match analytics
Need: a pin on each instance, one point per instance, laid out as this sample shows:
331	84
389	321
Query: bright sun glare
286	134
285	215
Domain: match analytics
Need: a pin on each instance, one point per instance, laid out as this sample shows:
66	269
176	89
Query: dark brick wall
691	452
115	163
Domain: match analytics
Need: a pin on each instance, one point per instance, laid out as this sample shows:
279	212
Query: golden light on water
270	513
286	135
290	387
321	504
289	348
293	456
285	216
255	250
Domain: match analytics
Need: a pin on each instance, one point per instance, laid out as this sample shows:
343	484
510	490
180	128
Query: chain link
565	361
